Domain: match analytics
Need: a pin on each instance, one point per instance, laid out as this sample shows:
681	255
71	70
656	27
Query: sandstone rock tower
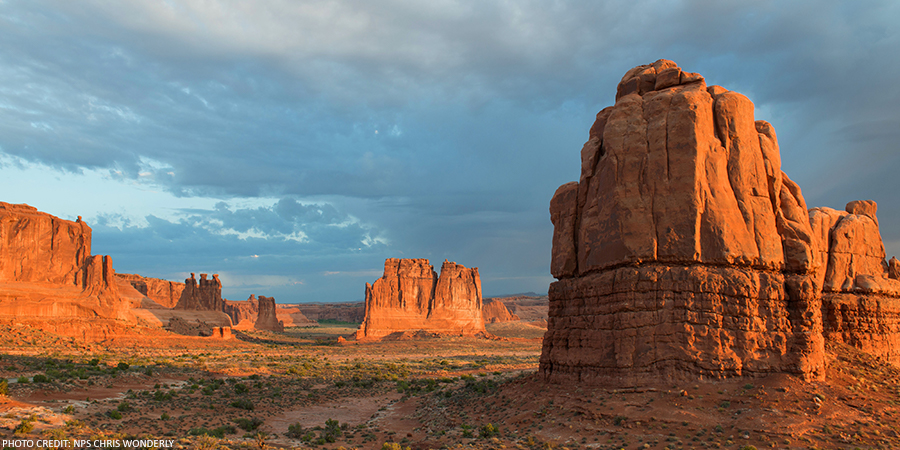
205	296
411	297
683	251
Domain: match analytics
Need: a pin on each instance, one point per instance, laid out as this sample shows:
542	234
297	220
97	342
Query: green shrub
4	387
241	388
243	404
123	407
40	378
332	431
165	416
25	426
22	380
113	414
122	366
249	424
489	430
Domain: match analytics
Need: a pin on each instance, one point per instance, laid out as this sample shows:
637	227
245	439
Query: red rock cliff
683	250
267	318
410	297
48	276
166	293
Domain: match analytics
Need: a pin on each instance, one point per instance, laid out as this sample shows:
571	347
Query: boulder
410	297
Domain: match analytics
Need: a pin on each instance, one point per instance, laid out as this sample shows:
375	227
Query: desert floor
305	389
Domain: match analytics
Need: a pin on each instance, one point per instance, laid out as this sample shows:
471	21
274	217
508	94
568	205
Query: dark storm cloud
441	127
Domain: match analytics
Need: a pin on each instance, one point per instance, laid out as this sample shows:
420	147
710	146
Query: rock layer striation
411	297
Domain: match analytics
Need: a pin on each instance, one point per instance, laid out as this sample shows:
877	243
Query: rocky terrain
411	297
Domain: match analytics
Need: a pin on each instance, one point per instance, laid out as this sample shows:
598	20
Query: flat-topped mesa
683	251
411	297
205	296
164	292
48	275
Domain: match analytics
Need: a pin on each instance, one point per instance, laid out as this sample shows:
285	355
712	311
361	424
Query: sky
292	146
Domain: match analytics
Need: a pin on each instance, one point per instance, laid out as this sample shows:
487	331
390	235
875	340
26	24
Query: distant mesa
685	252
495	311
410	298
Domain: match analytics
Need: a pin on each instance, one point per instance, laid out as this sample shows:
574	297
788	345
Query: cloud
398	127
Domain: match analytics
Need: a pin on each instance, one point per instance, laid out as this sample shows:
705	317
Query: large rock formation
411	297
494	311
245	311
267	319
254	314
683	251
48	277
205	296
860	303
164	292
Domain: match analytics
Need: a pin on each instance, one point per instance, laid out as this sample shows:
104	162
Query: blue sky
292	146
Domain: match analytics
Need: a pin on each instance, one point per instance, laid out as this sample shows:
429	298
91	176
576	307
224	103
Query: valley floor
305	389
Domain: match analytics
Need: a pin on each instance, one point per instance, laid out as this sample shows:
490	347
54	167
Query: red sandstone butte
494	311
683	251
205	296
254	314
411	297
49	279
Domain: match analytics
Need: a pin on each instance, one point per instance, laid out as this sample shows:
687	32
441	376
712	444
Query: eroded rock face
245	311
850	246
683	250
410	296
164	292
494	311
205	296
48	275
267	318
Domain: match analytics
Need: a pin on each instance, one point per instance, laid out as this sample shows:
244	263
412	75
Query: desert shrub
218	432
296	431
241	388
488	430
122	366
161	396
94	362
4	387
123	407
165	416
332	430
40	378
467	431
25	426
249	424
22	380
243	404
113	414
